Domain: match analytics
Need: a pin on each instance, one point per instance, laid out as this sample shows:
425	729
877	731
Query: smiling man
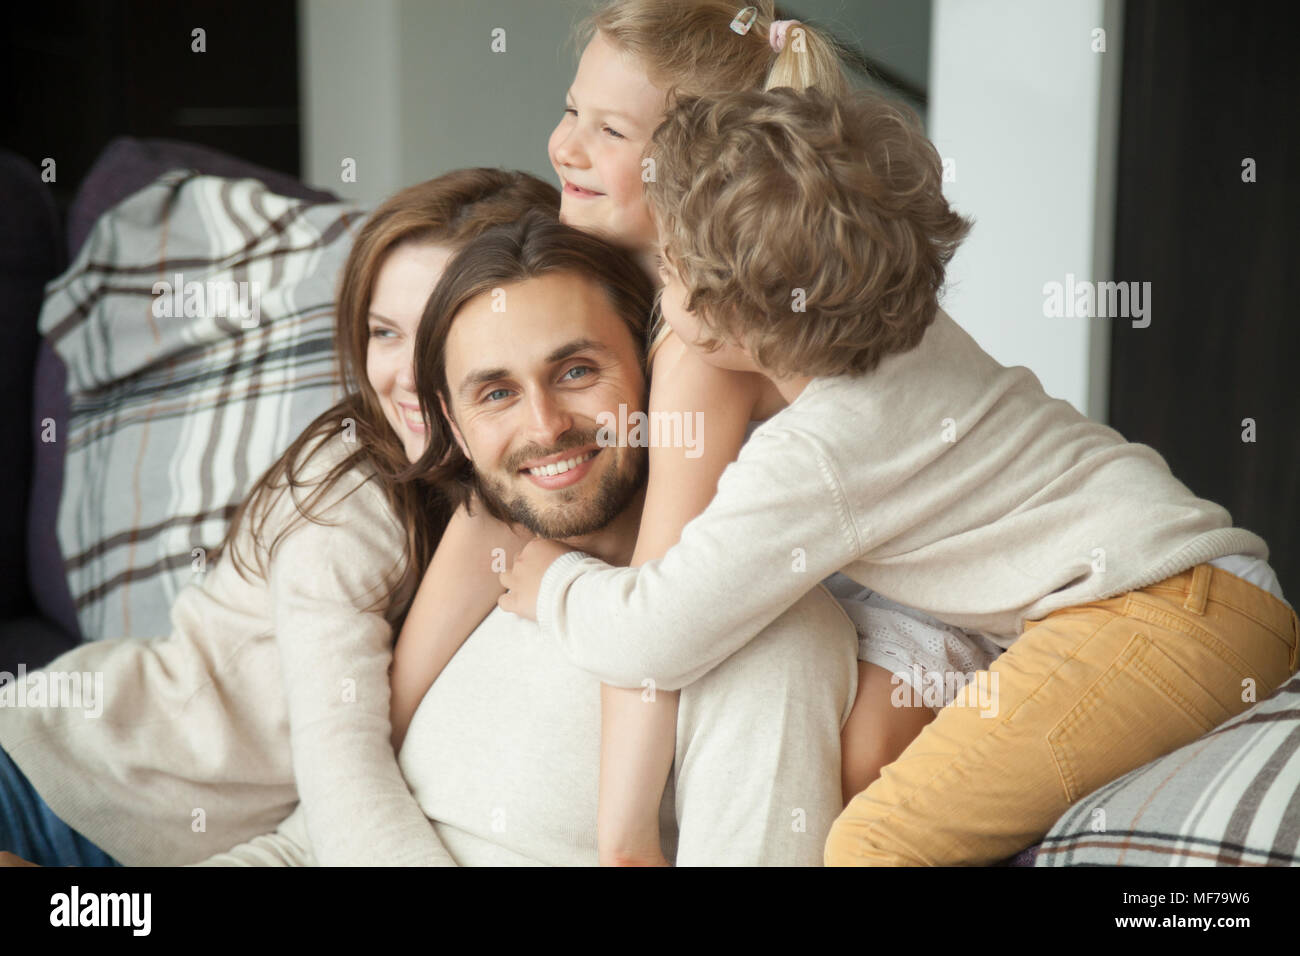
534	443
535	331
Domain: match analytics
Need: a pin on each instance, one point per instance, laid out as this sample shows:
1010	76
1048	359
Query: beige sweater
267	690
942	480
503	753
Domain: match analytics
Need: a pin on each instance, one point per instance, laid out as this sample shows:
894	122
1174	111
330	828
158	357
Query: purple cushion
45	574
124	167
128	165
1025	857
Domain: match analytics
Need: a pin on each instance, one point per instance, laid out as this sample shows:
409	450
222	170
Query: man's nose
548	418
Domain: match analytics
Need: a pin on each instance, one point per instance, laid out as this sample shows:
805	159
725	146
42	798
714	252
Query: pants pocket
1143	706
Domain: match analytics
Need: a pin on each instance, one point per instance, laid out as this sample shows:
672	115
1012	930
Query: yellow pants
1082	697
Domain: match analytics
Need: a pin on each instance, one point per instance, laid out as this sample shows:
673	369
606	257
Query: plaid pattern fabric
1231	798
183	384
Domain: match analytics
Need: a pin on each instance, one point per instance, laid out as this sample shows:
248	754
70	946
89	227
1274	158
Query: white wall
411	88
1029	114
351	106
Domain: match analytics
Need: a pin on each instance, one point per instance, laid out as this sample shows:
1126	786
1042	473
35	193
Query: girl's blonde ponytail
687	48
807	59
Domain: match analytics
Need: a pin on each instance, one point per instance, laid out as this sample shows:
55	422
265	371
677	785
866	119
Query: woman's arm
459	589
287	846
326	581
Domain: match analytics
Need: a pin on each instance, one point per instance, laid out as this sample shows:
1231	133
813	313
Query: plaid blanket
196	325
1231	798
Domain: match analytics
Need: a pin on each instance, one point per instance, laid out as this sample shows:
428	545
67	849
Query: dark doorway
1205	87
79	73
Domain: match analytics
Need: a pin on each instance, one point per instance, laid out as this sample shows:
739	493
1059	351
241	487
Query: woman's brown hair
535	246
449	211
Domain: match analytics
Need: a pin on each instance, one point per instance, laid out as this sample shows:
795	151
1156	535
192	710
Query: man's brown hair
810	229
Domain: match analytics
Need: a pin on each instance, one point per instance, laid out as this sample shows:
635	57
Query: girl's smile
571	189
596	148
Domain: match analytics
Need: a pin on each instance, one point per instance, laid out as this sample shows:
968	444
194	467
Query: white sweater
267	690
942	480
503	753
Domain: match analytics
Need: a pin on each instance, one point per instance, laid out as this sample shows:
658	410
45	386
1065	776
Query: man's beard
574	511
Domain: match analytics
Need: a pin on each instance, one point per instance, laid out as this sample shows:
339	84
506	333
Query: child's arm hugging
778	525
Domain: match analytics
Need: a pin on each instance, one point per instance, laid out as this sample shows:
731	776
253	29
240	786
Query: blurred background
1097	139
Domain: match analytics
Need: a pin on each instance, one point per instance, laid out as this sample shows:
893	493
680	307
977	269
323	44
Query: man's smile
560	470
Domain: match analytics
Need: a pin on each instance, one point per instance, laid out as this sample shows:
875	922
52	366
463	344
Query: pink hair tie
776	33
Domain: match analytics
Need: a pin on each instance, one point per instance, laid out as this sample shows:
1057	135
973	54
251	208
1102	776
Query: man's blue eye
578	368
497	391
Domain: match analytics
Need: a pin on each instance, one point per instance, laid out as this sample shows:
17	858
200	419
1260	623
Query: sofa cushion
196	330
125	166
1230	798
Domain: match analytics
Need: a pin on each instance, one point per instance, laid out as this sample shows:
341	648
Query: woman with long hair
272	688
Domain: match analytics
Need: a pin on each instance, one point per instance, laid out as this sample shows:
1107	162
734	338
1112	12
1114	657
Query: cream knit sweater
942	480
267	691
503	753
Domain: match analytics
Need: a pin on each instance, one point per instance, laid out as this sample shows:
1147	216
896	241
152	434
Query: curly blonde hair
809	229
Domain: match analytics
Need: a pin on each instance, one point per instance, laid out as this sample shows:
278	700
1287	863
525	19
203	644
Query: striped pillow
196	325
1231	798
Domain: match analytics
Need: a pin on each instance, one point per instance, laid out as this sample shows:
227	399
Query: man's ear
455	432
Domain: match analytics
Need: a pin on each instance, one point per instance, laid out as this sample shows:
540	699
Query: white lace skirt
910	643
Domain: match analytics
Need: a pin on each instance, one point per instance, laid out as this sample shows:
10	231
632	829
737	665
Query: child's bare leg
876	731
638	738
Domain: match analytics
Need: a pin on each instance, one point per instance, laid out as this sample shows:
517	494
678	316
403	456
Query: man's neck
616	542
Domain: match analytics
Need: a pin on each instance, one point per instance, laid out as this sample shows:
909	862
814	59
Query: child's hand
524	579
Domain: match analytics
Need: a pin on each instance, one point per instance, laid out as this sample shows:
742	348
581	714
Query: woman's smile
411	415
